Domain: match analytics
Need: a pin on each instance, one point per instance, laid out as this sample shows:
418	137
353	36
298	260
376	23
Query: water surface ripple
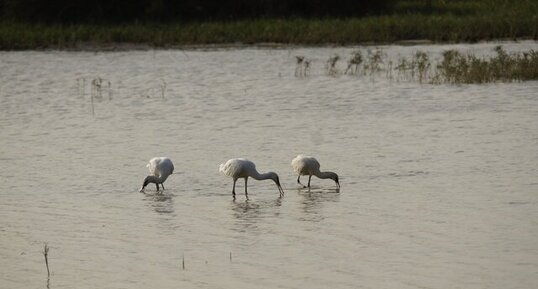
438	182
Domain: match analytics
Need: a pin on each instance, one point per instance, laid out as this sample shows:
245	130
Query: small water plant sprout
354	63
302	66
330	65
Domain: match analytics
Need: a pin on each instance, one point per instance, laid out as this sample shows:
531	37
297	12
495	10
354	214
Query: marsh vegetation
452	67
340	22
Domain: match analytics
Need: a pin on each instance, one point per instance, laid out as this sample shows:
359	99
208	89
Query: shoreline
126	46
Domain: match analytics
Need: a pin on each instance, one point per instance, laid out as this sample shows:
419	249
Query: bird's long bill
144	184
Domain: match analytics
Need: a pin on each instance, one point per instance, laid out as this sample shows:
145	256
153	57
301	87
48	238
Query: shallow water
438	182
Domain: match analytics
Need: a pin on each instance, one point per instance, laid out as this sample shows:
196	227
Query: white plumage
309	166
243	168
159	168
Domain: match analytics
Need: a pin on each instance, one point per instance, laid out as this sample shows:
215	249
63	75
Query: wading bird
243	168
309	166
159	168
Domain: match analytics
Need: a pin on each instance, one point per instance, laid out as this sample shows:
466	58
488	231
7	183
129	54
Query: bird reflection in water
248	213
313	201
160	203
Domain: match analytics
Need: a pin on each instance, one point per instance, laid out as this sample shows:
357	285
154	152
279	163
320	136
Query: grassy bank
455	21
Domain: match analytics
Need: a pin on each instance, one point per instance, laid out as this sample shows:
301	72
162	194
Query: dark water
439	182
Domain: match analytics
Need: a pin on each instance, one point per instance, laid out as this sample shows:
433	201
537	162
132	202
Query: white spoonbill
308	166
243	168
159	168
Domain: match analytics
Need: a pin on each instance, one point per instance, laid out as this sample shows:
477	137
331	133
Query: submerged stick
93	109
163	87
45	253
183	262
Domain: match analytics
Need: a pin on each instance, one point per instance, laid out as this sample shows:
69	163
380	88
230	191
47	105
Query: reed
374	61
418	67
330	65
302	66
46	254
354	63
98	85
422	64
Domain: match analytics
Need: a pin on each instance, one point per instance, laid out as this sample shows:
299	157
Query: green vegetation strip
399	20
381	29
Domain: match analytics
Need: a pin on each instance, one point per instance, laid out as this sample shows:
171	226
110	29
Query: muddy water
439	182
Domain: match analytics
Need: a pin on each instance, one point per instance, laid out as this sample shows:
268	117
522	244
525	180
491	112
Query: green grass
442	21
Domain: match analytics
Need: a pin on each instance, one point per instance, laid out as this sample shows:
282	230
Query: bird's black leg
233	189
246	193
309	177
299	181
157	185
162	185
